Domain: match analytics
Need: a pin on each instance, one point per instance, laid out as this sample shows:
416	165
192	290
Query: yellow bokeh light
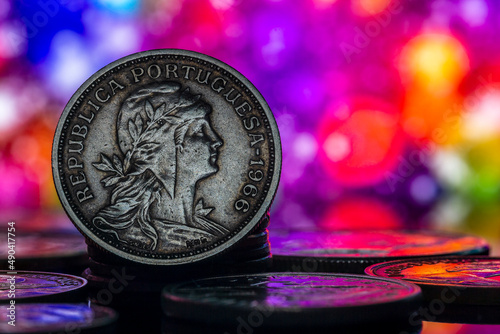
435	63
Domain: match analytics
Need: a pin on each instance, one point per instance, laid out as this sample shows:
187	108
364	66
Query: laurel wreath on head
143	147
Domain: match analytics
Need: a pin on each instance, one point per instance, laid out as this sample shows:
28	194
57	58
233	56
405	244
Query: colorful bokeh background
389	110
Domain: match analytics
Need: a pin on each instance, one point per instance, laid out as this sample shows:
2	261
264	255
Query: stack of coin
167	161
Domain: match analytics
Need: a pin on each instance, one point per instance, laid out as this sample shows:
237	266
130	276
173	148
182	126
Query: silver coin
166	157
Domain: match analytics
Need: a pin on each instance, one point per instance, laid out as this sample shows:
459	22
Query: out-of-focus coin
456	289
291	300
37	286
45	251
353	251
57	318
469	280
166	157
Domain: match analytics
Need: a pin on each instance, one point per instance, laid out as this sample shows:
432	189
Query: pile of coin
167	162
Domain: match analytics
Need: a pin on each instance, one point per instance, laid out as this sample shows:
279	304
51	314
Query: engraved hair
156	112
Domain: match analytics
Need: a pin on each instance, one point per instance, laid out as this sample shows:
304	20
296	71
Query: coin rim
83	281
266	203
371	271
192	309
480	248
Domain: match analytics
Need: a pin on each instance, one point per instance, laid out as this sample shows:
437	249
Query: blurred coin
353	251
456	289
58	318
37	286
291	300
166	157
47	251
468	280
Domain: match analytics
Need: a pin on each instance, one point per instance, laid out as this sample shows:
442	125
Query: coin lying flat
353	251
287	300
37	286
58	318
470	280
456	289
46	251
45	245
166	157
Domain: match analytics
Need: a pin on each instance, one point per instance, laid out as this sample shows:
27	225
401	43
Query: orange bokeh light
434	63
431	117
369	7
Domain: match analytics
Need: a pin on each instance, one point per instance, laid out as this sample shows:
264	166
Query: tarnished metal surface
166	157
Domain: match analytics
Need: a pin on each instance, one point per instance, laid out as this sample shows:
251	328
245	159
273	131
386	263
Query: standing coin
37	286
166	157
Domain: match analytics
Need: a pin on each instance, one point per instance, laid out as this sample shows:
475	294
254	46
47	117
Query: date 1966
11	279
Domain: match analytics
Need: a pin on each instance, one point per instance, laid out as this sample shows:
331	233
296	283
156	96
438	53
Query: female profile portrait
168	145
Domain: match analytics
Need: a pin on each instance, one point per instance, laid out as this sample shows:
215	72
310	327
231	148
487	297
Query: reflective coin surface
57	318
460	271
166	157
374	244
34	284
286	298
471	280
